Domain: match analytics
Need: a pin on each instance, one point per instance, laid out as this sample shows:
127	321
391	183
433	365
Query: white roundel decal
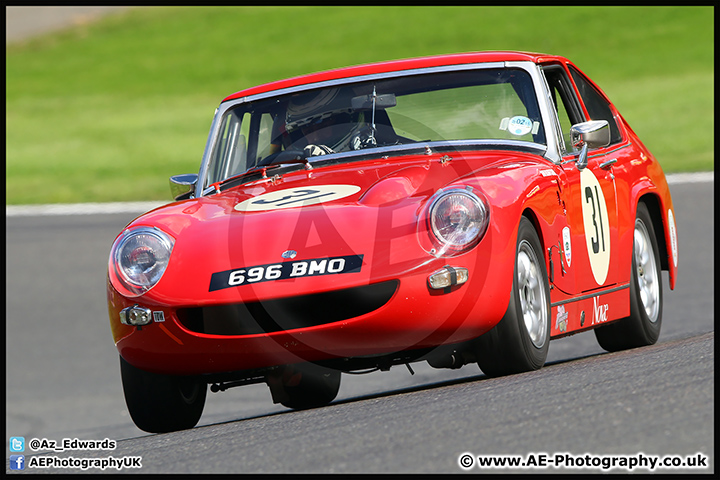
296	197
595	222
673	237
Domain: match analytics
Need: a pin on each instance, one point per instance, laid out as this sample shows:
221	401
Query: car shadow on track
480	377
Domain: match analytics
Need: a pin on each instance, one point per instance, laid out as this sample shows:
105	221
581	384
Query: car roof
399	65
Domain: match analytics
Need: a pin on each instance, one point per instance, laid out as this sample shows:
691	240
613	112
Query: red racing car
454	209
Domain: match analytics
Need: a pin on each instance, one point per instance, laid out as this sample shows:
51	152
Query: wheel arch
652	202
531	215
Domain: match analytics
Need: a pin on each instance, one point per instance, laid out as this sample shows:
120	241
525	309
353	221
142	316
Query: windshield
490	104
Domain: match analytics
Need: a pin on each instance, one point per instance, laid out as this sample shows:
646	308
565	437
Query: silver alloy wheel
532	294
647	273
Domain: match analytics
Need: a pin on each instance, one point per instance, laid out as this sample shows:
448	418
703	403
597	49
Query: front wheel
304	386
162	403
519	343
642	327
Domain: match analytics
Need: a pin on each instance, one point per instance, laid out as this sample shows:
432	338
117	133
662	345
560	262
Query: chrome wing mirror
183	186
592	134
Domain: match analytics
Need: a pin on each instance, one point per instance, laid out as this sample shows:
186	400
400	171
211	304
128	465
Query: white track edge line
141	207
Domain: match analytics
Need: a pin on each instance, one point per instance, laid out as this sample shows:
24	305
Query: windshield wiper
287	157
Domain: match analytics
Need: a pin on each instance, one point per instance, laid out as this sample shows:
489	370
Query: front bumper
386	317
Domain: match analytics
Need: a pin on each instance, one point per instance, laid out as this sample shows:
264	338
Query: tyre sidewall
162	403
534	356
649	331
635	330
507	348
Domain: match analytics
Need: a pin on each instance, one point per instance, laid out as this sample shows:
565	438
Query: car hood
370	211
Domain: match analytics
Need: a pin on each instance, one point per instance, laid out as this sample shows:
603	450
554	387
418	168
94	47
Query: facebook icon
17	462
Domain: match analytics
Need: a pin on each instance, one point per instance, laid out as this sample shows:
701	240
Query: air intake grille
287	313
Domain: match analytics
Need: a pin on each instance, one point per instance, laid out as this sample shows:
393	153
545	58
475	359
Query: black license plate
284	270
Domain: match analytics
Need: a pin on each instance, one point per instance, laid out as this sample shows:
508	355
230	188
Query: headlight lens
139	258
458	219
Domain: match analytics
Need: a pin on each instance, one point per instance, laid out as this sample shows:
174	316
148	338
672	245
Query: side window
598	108
568	111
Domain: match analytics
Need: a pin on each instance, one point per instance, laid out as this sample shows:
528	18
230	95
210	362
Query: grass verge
107	111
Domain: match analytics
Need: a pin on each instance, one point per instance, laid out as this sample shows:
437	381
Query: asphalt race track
63	380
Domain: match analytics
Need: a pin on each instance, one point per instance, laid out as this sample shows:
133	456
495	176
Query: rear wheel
162	403
304	386
642	327
519	343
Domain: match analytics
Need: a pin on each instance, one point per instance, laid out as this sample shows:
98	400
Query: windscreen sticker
595	222
296	197
281	271
519	125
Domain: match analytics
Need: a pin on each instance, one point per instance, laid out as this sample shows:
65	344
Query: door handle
607	164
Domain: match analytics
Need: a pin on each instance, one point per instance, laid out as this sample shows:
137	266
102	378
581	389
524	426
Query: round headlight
458	219
139	258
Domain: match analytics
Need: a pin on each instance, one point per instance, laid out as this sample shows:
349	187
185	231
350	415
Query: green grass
107	111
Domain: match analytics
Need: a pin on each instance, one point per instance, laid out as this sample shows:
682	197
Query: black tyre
305	386
642	327
162	403
519	343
